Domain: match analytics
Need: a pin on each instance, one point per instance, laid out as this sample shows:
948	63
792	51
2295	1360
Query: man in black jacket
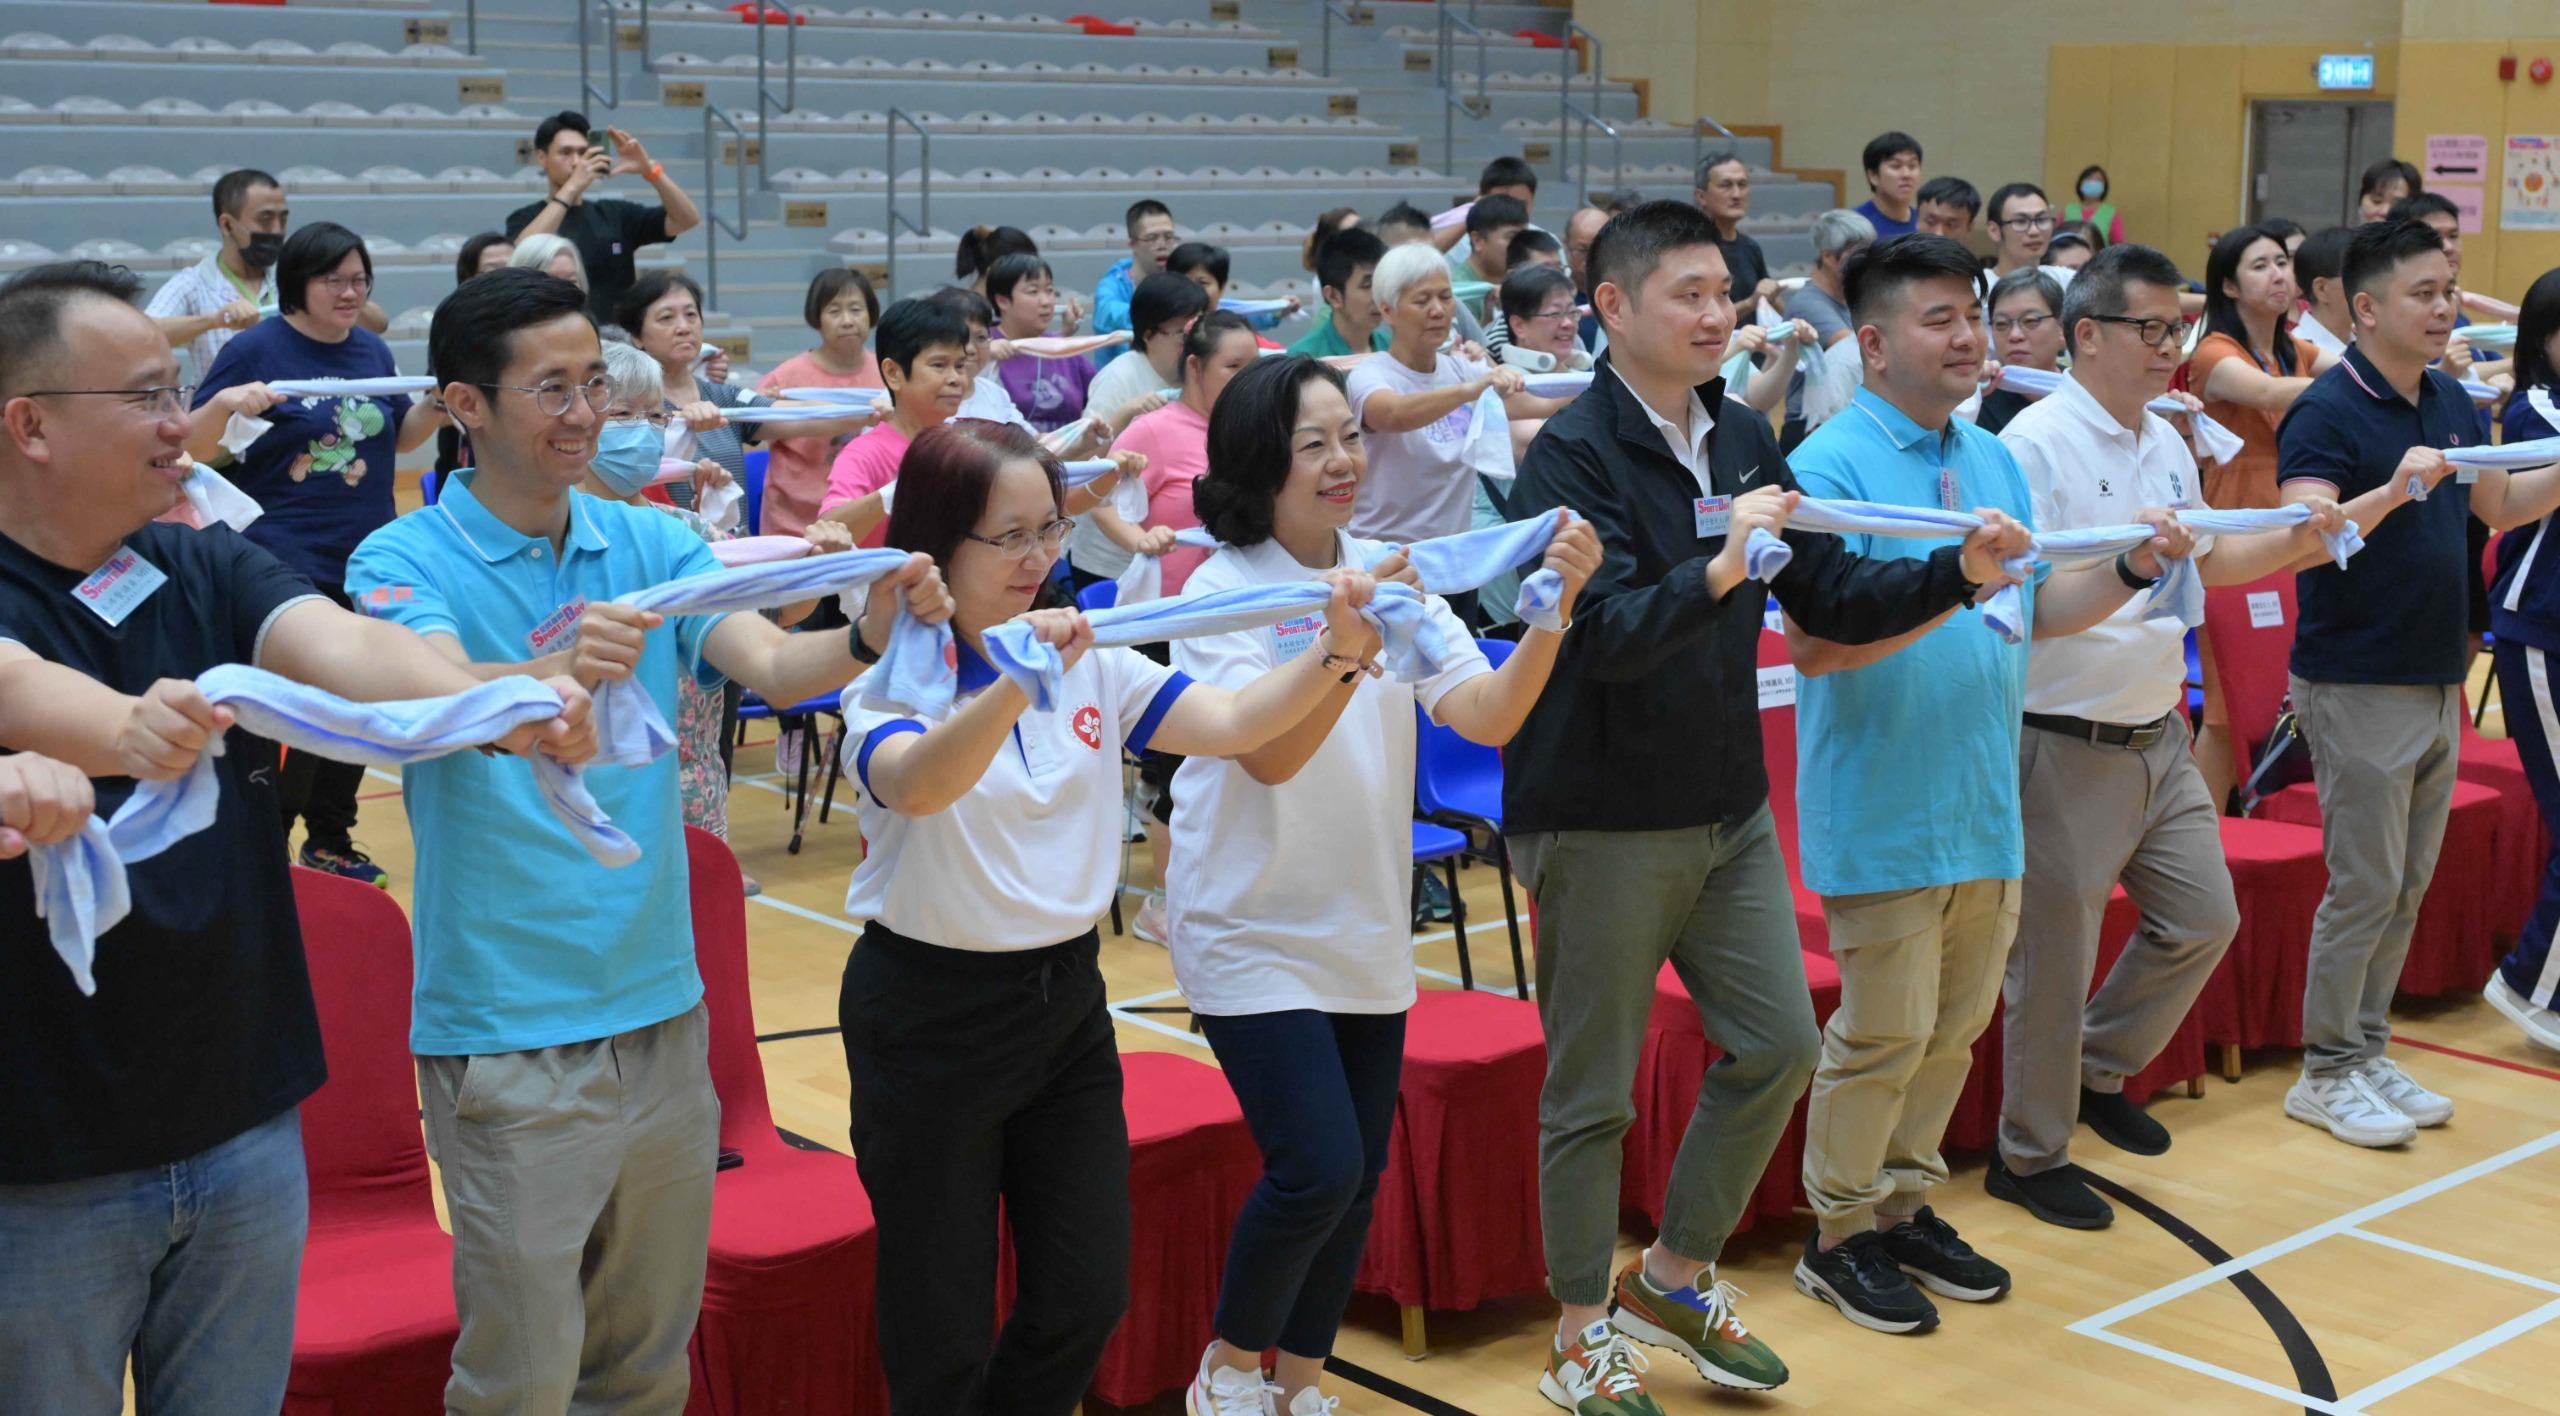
1637	809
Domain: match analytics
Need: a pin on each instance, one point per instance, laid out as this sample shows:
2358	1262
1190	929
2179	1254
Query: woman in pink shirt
1175	441
842	308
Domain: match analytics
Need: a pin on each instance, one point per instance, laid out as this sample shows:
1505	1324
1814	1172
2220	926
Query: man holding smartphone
607	232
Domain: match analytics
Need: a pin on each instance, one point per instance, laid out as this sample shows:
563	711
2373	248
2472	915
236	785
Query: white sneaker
2348	1108
1308	1403
1150	925
1228	1391
2541	1025
2421	1106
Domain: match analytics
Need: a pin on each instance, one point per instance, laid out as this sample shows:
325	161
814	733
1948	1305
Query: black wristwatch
862	653
2125	573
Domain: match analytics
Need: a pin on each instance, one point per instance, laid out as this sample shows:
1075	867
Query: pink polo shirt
867	464
1175	441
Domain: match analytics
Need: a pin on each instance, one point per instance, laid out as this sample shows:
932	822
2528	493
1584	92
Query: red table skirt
374	1329
2455	946
1456	1220
2524	843
789	1320
2254	998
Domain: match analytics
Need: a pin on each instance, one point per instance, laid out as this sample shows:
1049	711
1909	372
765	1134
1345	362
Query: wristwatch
2125	573
1351	668
862	653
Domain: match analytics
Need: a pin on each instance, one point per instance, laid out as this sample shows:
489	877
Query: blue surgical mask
2092	189
628	454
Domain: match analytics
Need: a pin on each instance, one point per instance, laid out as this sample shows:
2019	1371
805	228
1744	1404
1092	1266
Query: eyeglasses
347	284
1017	543
552	399
162	402
2158	334
1561	312
655	417
1161	238
2041	221
2020	324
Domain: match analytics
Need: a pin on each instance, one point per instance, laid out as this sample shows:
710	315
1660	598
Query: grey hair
537	253
1403	268
1838	232
633	376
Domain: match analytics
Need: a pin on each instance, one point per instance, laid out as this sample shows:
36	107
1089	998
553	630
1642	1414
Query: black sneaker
2057	1196
347	863
1857	1277
1929	1249
2122	1124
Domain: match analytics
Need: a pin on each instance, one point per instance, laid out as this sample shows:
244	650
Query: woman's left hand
1064	630
702	415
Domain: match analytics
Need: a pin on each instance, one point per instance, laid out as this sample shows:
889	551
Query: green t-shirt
1325	342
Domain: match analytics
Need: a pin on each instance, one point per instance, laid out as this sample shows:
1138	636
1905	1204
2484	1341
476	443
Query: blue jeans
189	1269
1319	1092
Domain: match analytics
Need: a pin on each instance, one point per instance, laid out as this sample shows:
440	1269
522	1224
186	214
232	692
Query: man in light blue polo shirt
558	1022
1907	795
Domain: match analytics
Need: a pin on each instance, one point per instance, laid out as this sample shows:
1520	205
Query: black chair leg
1511	915
1458	922
835	770
800	790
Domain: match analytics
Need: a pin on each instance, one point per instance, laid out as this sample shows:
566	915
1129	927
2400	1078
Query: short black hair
1250	443
1954	192
2100	287
1882	271
2537	320
1528	287
1507	171
32	305
1010	271
2378	248
828	286
310	253
231	190
1404	214
1201	340
1141	209
2032	280
2008	192
466	262
1721	157
1163	298
1530	242
1491	213
632	310
1339	259
567	120
2387	171
912	326
1630	248
972	307
1198	255
2418	206
2322	256
469	339
1885	147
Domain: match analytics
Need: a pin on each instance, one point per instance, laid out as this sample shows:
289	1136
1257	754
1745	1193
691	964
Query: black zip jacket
1652	720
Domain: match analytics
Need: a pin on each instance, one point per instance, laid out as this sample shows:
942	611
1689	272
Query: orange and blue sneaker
1699	1325
1598	1373
347	863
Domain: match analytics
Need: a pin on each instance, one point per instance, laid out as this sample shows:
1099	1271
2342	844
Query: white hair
1403	268
1841	231
538	252
634	377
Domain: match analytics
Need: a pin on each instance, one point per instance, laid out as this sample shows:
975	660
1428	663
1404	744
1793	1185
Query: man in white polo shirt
2108	787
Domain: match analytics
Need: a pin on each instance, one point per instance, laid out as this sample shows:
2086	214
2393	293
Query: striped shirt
203	289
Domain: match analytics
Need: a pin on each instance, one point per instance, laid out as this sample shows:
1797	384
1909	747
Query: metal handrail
1574	112
713	223
923	224
612	97
1698	144
1444	36
1564	87
471	26
1351	19
766	107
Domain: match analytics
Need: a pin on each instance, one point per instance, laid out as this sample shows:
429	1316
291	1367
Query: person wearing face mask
201	307
2026	331
2089	203
322	470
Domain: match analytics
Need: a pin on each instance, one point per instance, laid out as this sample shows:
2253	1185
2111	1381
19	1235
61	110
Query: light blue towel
2513	456
1453	565
1413	645
80	883
2211	438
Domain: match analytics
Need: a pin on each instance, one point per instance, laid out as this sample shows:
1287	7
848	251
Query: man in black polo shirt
2379	659
152	1197
607	232
1724	194
1636	806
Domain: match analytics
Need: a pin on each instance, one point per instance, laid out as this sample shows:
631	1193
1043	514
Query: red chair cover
787	1303
2254	998
2524	843
1456	1220
374	1329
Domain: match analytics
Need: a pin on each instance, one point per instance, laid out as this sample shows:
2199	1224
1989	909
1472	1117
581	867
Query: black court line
2310	1370
796	1033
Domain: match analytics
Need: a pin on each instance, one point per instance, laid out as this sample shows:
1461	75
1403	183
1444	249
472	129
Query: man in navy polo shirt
2379	659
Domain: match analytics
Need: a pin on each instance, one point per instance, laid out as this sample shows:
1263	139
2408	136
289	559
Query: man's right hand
167	729
583	176
1762	509
1992	545
239	314
2427	464
610	638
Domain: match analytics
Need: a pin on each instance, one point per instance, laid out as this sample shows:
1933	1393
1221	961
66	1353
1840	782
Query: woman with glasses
321	468
2026	332
1543	315
984	1074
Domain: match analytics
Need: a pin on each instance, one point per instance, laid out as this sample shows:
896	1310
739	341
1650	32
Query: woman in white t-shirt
983	1068
1417	406
1292	932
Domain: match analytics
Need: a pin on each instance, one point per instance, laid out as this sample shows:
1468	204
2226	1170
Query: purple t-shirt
1050	392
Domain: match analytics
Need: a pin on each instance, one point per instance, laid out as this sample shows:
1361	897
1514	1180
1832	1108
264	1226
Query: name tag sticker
2266	610
555	627
113	589
1946	489
1292	638
1714	515
2466	475
1777	686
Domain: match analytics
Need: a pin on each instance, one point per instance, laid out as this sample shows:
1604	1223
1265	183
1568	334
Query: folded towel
2209	438
350	388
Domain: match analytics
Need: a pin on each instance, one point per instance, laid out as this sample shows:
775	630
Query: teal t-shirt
1326	342
1907	769
523	940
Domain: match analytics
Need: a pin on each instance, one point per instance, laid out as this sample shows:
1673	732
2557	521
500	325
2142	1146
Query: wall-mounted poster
2529	198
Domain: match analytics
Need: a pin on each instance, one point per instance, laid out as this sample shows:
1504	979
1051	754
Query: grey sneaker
2347	1107
2541	1025
2421	1106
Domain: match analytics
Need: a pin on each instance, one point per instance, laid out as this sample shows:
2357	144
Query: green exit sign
2346	71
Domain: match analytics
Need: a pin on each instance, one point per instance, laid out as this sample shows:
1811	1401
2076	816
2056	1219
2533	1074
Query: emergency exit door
2306	157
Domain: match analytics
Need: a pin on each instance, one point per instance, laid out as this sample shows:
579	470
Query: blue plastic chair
2195	679
430	482
1444	847
1100	595
1457	785
753	485
807	712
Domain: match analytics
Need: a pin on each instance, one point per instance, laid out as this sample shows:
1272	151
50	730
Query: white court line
2451	1357
2238	1379
379	775
2524	1280
1141	1020
804	912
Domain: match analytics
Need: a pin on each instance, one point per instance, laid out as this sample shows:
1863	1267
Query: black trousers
318	792
987	1086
